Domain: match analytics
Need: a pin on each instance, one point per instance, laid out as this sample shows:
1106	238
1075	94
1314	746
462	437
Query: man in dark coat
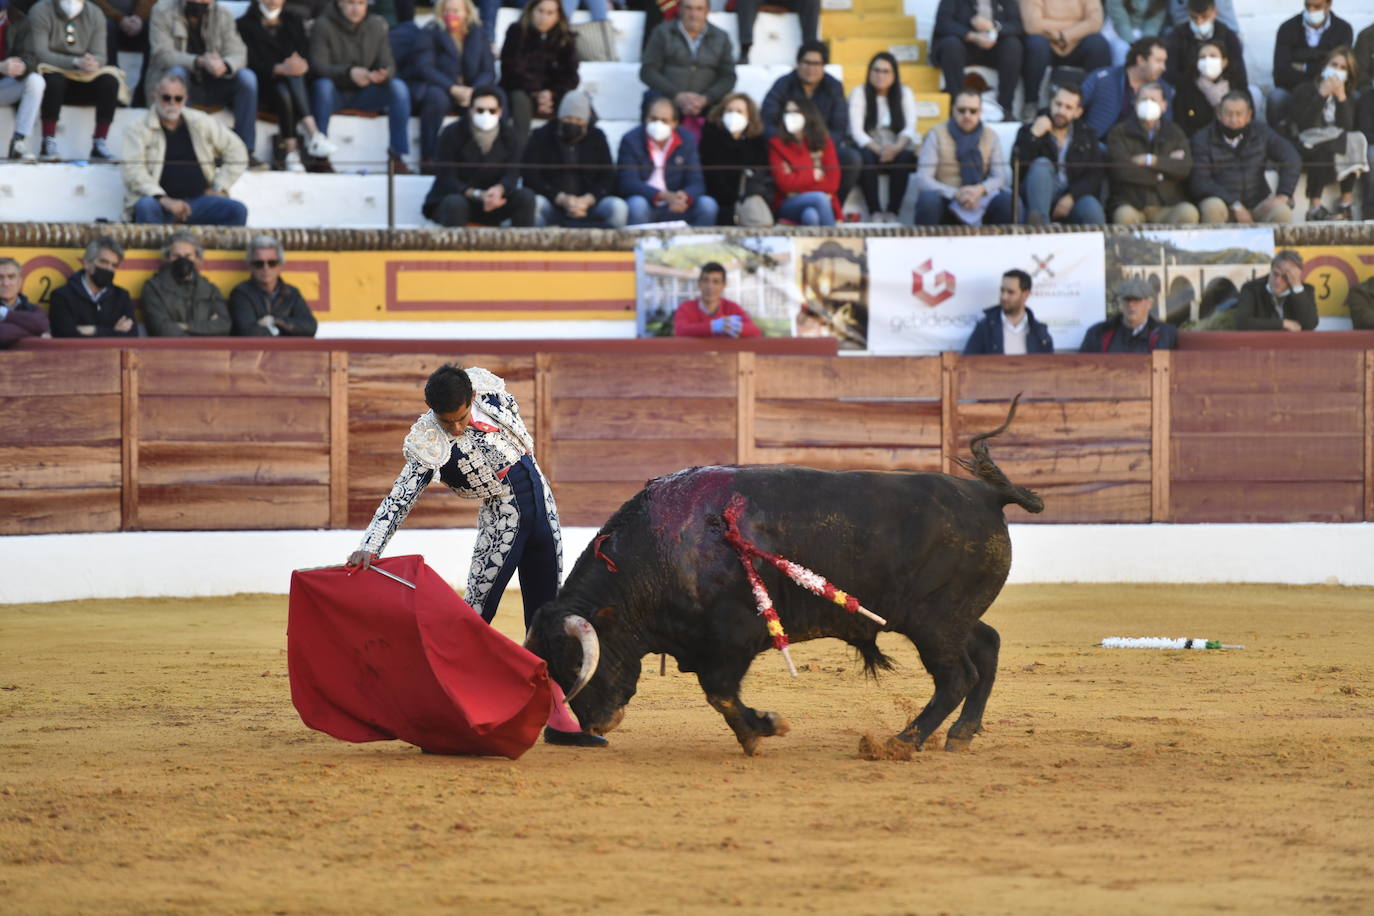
177	300
1360	301
477	173
1134	329
1151	161
1204	25
1300	48
1230	157
1278	302
568	164
264	306
1010	327
90	305
19	318
963	37
809	82
1055	189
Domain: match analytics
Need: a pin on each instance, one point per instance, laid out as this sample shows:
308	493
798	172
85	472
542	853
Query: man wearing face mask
660	171
199	40
1280	301
90	305
177	300
568	165
477	175
1150	161
1109	94
1203	25
1300	48
1230	157
169	168
1226	12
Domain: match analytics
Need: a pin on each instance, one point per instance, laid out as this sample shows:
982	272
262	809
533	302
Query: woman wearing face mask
882	122
538	62
1127	20
1203	23
1324	119
451	56
1195	104
734	157
277	50
805	167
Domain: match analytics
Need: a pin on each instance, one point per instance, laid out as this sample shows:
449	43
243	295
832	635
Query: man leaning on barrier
263	305
1134	329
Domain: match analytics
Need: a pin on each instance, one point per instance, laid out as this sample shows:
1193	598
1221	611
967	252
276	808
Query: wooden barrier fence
167	439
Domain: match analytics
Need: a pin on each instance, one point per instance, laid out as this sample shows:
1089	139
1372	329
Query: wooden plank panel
37	467
827	423
284	373
624	375
1098	462
57	511
643	418
1369	436
437	508
860	458
745	398
587	460
230	419
1161	413
591	504
1063	375
66	372
338	439
949	399
1250	457
1088	503
822	378
232	507
1286	413
59	420
1266	501
1055	421
403	403
403	374
128	416
1267	371
262	463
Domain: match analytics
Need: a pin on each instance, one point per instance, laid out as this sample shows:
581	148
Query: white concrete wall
67	567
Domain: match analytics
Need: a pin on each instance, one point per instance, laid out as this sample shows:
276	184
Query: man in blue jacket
659	172
1009	327
1109	93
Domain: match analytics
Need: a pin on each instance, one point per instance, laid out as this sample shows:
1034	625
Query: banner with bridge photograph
926	294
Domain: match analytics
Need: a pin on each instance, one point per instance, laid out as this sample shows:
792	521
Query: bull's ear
605	615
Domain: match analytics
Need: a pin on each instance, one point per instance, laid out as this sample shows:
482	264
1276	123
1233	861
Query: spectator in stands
1150	162
1364	59
1063	33
1301	48
350	57
278	54
1060	159
810	82
264	306
808	14
19	82
19	318
1180	13
452	56
1134	329
660	172
90	305
1323	119
734	159
1360	301
568	165
199	40
805	170
1229	161
1128	21
962	174
1183	43
538	63
179	163
1214	77
1278	302
477	169
1109	94
177	300
1010	327
882	124
985	33
68	37
691	62
128	28
710	315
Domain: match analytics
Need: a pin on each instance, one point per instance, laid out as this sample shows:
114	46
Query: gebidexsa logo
1042	266
931	289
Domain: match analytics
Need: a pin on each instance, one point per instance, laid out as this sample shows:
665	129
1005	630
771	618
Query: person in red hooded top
712	316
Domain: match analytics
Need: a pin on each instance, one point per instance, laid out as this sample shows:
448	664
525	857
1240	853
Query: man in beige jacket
1064	33
169	167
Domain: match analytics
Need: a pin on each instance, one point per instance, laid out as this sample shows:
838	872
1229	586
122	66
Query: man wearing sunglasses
264	306
170	172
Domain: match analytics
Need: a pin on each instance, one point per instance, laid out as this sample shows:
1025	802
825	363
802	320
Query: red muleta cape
372	660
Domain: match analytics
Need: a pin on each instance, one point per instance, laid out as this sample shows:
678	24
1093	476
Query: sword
390	576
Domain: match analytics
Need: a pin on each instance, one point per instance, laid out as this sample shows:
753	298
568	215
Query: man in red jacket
712	316
19	318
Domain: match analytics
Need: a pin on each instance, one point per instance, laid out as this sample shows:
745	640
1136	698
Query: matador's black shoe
573	739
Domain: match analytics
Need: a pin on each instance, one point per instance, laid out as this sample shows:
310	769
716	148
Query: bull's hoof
572	739
957	744
873	748
780	725
750	745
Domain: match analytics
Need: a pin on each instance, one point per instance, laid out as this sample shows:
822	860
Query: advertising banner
1196	273
1332	271
926	294
760	277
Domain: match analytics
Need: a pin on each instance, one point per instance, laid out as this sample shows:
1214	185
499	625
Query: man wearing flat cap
1134	329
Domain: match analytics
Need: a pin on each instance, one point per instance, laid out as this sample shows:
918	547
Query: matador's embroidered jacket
473	466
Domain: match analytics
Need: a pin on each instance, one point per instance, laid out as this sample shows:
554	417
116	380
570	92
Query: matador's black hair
448	389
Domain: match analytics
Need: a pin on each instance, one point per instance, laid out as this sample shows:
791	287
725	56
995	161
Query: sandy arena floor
150	761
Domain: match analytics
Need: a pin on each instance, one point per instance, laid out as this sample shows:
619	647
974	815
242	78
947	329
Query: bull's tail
985	469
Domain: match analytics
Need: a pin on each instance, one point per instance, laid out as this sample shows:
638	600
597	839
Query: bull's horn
581	629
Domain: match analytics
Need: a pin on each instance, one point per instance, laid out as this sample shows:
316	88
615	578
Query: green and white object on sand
1161	642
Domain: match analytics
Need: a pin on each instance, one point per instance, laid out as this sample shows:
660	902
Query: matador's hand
360	558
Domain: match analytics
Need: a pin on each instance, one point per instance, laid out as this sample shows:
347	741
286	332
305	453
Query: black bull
928	552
